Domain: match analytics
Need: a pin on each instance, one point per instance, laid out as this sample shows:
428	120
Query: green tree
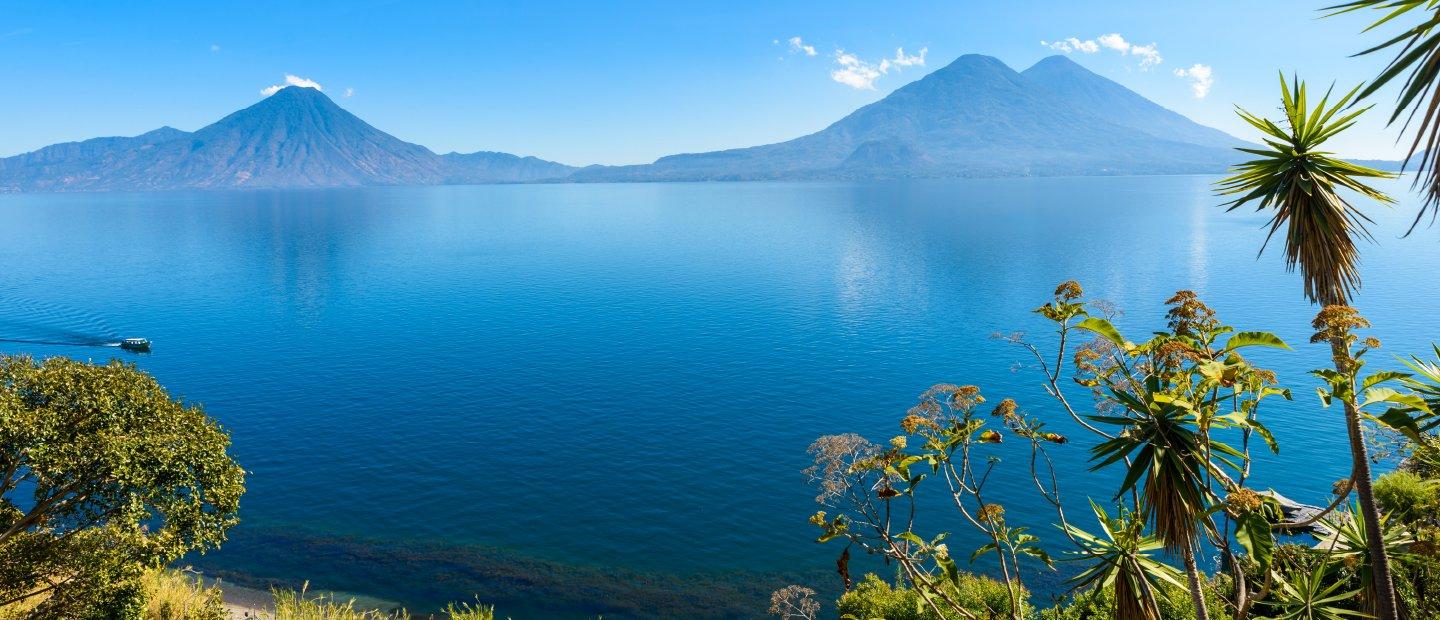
1301	184
102	474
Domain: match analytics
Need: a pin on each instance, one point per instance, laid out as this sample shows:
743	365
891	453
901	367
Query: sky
627	82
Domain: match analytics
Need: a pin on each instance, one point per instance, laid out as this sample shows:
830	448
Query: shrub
873	598
158	594
1406	495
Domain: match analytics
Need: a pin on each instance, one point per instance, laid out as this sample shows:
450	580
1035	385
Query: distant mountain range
974	117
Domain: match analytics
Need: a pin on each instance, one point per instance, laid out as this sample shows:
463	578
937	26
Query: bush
158	594
873	598
1406	495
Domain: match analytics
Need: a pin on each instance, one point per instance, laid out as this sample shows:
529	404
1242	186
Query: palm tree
1164	448
1417	57
1300	183
1122	559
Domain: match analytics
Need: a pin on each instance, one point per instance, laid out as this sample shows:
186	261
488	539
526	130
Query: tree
1168	398
102	474
1300	183
1123	557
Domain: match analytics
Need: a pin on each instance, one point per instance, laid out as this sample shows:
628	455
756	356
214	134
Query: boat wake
66	343
49	324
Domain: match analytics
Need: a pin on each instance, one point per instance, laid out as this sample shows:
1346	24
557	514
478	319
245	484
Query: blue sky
593	82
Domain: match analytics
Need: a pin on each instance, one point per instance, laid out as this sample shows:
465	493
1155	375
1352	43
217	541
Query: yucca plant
1307	596
1122	560
1353	545
1302	185
1417	58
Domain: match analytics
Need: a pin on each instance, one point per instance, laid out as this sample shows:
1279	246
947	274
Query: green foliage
1407	496
1099	603
102	474
1300	183
1312	595
1417	57
1123	559
1168	398
874	599
158	594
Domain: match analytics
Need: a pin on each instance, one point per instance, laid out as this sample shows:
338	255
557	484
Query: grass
181	595
177	595
293	605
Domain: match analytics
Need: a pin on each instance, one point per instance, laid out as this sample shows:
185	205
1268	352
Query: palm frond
1417	57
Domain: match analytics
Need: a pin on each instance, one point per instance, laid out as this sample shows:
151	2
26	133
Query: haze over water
618	378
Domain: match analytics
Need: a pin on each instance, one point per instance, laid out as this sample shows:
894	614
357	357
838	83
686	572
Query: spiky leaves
1301	184
1417	57
1122	558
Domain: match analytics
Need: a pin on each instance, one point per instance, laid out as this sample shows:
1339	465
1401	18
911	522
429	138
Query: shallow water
614	385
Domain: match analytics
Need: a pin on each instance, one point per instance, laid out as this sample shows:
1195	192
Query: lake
582	399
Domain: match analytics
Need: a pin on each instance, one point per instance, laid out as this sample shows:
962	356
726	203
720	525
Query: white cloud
1149	55
1201	79
798	46
1114	41
291	80
901	60
854	72
214	47
349	92
857	73
1072	44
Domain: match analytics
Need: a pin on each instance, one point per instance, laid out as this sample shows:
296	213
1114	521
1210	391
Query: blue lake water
578	399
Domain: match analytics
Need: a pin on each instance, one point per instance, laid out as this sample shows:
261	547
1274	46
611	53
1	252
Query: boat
135	344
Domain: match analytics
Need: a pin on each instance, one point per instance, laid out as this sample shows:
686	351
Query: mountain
974	117
492	167
297	137
1116	104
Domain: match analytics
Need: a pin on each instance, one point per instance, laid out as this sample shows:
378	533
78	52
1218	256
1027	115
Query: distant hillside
974	117
297	137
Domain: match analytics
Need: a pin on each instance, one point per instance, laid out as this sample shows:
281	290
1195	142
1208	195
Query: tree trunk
1374	537
1197	595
